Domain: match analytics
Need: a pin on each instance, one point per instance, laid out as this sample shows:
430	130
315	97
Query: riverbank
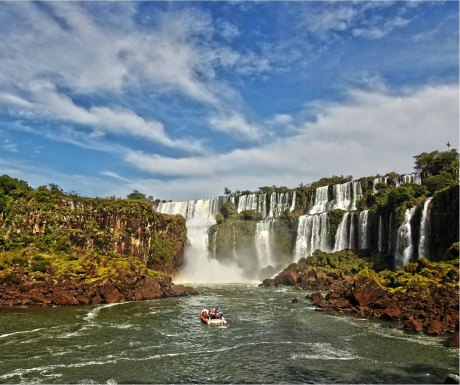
421	297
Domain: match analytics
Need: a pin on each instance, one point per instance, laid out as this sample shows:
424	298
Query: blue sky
182	99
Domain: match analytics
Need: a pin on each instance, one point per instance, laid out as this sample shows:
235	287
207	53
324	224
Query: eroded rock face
367	292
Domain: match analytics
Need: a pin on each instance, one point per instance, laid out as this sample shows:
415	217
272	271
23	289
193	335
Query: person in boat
212	313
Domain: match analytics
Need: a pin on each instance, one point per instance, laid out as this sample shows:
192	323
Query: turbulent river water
268	340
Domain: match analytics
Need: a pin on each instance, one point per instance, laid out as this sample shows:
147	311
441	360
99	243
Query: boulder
181	290
63	298
36	295
268	282
318	299
434	327
295	300
147	288
453	342
367	292
111	294
82	300
342	303
391	313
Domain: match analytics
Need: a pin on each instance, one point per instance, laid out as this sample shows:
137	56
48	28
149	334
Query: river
268	340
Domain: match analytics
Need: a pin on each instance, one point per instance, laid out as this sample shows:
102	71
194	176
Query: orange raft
208	320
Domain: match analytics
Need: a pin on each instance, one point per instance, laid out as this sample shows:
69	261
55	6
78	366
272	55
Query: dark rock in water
82	300
289	276
453	342
435	327
268	282
111	294
452	379
295	300
413	324
180	290
147	288
318	299
391	313
63	298
342	303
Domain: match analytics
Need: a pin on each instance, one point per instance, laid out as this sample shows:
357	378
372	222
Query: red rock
435	327
181	290
268	282
82	300
391	313
111	294
147	288
342	303
97	299
63	298
37	295
318	299
366	293
453	342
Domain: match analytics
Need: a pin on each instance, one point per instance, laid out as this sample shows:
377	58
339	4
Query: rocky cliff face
59	223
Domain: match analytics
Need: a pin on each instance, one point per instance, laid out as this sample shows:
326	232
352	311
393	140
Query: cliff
52	241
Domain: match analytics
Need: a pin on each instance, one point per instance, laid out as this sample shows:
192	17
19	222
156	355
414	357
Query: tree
136	195
436	163
227	191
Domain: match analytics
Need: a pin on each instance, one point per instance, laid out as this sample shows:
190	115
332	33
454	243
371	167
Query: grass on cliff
27	266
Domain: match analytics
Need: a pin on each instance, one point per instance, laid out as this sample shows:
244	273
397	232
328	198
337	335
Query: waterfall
408	178
319	204
390	233
279	203
263	245
293	202
341	237
351	239
256	202
198	267
312	234
424	229
380	242
345	195
380	179
404	248
362	229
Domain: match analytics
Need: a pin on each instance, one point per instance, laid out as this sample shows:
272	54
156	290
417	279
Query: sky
181	99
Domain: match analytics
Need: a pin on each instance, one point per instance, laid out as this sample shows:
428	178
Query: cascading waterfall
256	202
363	229
263	244
404	248
312	234
293	202
198	267
380	179
424	229
351	238
279	203
345	195
341	237
408	178
319	204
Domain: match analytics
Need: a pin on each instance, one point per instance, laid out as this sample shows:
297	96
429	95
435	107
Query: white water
198	267
424	229
380	179
363	230
293	202
263	244
312	234
256	202
345	195
408	178
279	203
341	237
321	199
351	238
404	247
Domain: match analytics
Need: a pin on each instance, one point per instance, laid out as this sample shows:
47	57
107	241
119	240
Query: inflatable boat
209	320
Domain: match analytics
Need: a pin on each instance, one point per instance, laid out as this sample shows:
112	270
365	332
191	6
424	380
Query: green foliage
228	210
335	217
40	264
136	195
250	215
227	191
435	183
436	163
219	218
453	251
331	180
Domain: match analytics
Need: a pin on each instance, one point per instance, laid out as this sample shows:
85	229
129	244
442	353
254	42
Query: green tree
227	191
437	162
136	195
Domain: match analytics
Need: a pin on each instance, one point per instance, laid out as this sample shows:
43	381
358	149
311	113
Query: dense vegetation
48	234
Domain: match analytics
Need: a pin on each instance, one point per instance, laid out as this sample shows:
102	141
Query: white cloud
235	123
371	133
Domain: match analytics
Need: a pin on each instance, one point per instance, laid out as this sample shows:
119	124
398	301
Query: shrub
228	210
40	265
250	215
